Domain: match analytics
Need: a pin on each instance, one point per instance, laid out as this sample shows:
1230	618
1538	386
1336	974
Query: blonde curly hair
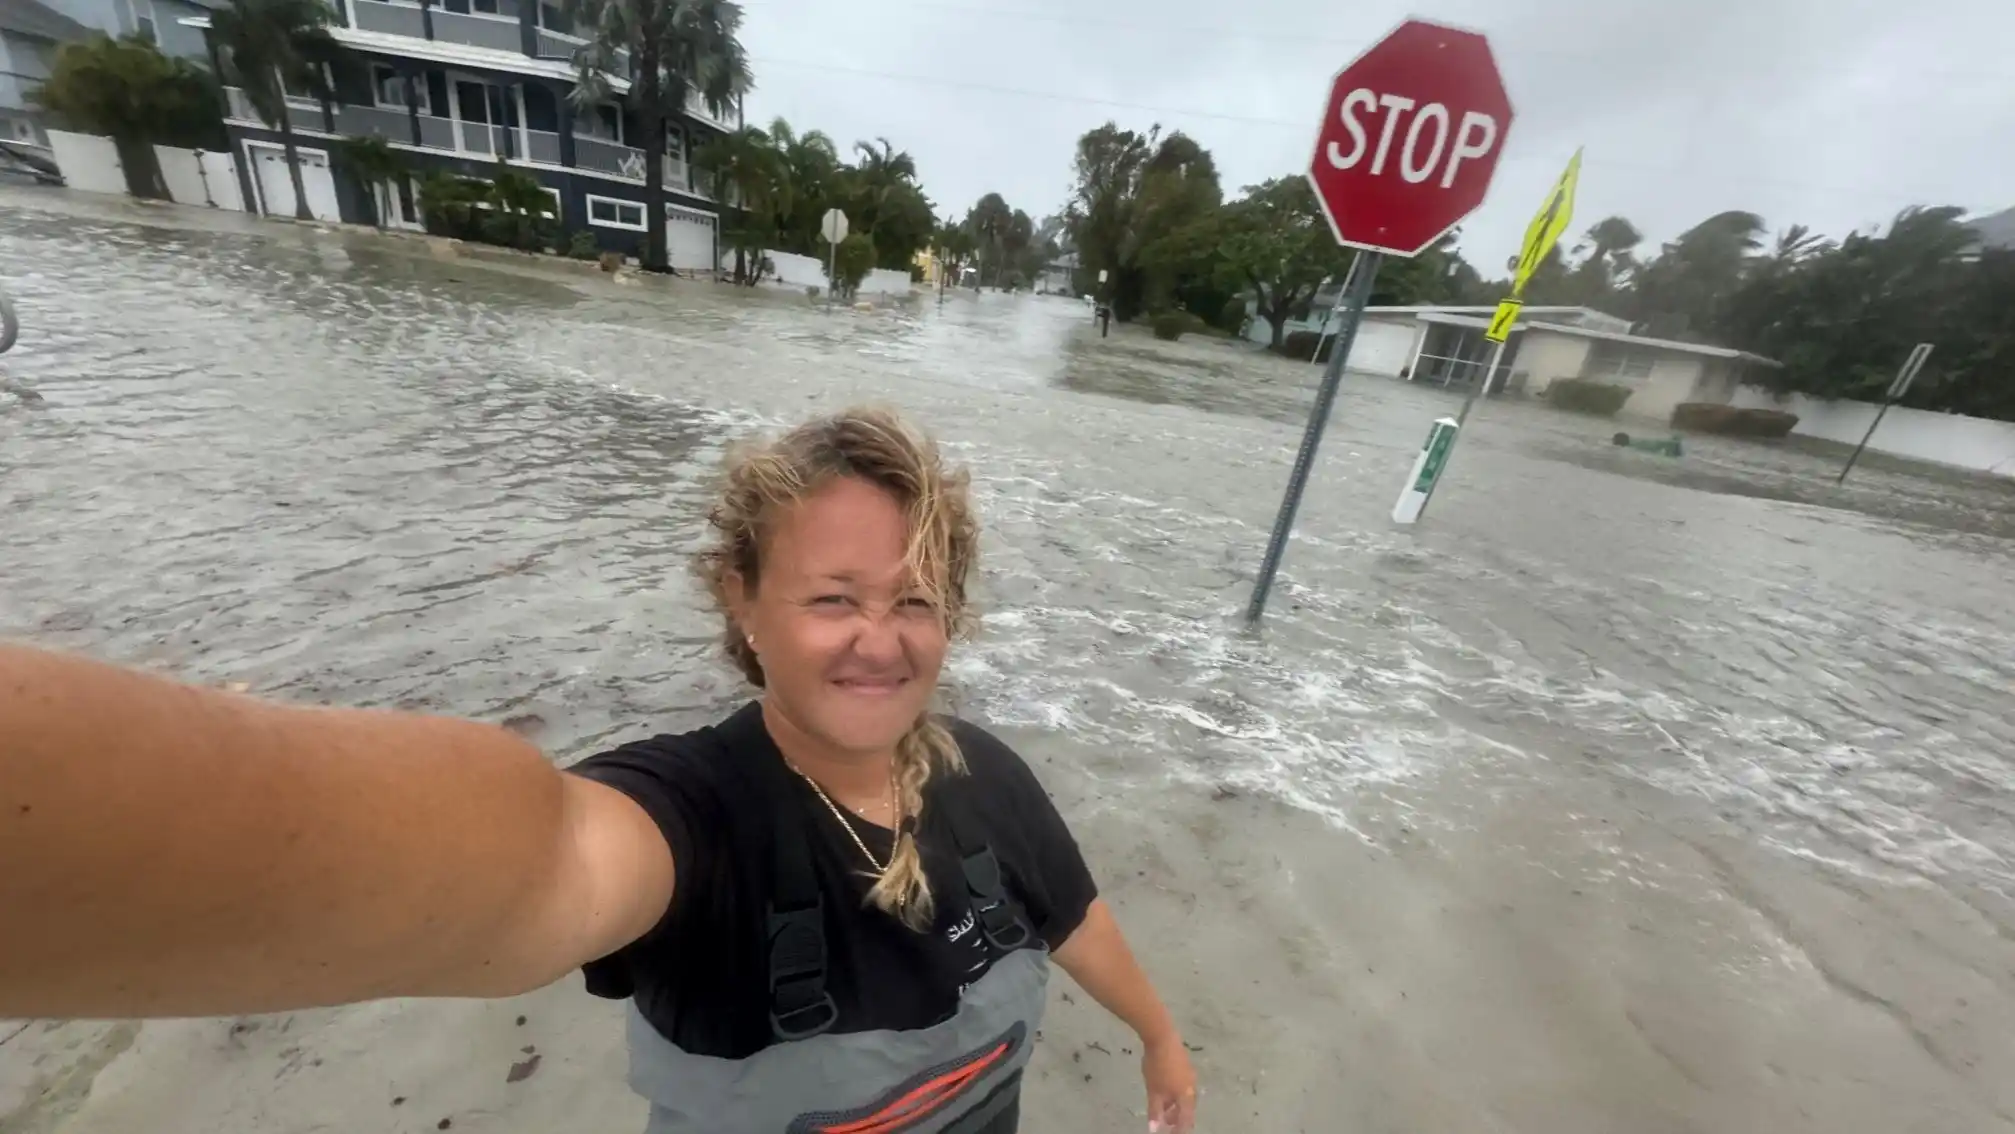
764	479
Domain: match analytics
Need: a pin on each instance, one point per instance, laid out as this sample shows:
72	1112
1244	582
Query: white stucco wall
1946	438
1673	380
1546	357
793	270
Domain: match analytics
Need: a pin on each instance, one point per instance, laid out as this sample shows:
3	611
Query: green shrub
1170	325
1585	395
1300	345
582	245
1232	317
449	205
1708	417
852	261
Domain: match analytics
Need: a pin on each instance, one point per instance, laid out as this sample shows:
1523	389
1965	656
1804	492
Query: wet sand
1544	819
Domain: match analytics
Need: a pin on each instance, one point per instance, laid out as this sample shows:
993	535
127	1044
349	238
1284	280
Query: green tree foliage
1683	293
780	184
1273	241
884	202
677	49
1842	318
127	90
1133	193
271	47
1437	275
745	171
989	221
851	263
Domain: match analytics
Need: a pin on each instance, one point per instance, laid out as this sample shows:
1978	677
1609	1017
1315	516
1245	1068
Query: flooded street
1732	749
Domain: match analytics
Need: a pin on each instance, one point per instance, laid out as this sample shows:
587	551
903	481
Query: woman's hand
1171	1087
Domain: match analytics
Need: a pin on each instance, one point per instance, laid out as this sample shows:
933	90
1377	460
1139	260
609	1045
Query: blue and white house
461	84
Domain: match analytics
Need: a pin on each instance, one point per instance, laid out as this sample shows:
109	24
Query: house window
1618	360
611	213
389	87
486	7
675	143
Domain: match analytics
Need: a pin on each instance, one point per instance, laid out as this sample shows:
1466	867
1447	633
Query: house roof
1673	345
1995	230
1439	309
31	20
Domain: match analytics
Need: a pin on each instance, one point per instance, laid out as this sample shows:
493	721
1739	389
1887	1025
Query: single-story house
1445	345
1390	339
1662	373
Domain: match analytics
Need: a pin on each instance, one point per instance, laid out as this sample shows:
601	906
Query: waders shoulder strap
800	1006
999	915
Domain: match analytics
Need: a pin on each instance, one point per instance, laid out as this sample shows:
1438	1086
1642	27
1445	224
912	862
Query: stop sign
1410	138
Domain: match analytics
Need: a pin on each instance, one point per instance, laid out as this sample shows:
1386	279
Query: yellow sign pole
1544	231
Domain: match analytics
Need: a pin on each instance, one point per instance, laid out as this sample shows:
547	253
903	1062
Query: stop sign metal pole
1356	293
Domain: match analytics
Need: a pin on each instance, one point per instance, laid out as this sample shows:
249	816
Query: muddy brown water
337	470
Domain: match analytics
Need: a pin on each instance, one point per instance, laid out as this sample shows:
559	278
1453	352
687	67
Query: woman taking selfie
832	911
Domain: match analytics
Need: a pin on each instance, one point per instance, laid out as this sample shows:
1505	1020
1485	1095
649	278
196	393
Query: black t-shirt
701	975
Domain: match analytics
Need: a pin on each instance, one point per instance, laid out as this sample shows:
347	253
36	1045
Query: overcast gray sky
1833	113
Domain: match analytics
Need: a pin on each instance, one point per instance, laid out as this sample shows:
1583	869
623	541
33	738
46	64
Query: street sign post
833	226
1426	471
1897	388
1544	231
1409	140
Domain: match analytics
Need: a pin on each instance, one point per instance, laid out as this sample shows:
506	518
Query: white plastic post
1426	470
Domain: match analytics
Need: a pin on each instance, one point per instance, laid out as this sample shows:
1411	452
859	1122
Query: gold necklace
881	868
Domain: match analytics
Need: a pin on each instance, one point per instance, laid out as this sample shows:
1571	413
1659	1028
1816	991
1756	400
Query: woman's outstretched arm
172	850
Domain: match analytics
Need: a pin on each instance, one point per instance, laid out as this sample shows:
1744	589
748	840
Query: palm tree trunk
653	105
293	157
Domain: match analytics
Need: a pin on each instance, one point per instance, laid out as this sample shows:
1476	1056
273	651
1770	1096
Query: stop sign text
1426	138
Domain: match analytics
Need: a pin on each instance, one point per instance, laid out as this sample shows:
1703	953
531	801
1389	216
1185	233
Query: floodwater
336	469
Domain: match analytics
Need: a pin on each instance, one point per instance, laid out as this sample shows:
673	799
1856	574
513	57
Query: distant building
1058	274
459	85
1445	345
31	31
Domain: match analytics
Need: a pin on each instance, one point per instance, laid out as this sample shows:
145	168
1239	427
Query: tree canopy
781	182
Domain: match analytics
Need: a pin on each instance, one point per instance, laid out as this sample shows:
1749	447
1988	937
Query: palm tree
677	49
746	175
807	184
271	46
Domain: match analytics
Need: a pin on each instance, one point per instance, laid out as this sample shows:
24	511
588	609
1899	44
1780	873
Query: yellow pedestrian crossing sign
1500	323
1547	225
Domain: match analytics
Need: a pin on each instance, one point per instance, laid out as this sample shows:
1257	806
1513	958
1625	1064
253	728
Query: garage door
1383	347
276	188
689	239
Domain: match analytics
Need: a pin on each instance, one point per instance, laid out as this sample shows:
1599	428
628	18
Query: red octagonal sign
1410	138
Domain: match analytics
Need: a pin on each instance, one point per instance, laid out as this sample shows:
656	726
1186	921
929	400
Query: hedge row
1706	417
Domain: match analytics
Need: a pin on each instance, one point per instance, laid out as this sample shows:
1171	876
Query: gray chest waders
950	1078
